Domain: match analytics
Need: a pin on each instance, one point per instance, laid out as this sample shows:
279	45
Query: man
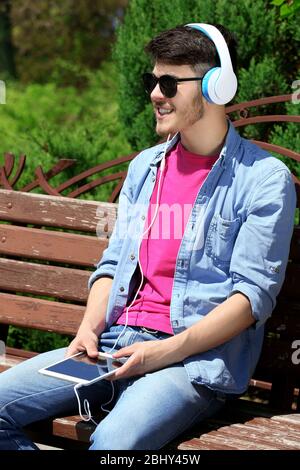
187	309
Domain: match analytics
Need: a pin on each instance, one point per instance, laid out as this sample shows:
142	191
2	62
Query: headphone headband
220	83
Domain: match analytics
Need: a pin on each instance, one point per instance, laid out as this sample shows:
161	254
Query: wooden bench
49	245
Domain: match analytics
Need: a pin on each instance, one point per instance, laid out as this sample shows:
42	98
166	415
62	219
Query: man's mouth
160	111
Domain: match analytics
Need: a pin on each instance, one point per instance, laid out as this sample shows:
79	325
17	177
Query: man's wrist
176	347
88	324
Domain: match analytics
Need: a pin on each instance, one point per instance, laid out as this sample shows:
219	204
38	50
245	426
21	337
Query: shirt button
132	257
143	217
122	289
153	178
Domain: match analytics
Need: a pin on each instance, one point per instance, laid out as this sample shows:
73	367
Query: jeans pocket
220	239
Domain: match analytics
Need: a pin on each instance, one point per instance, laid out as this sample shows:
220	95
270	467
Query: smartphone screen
82	368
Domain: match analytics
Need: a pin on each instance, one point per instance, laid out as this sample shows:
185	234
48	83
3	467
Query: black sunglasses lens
168	85
150	82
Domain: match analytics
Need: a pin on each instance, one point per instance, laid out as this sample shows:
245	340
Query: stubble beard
192	114
186	118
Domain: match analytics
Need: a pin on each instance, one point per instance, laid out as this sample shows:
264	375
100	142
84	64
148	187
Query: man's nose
156	94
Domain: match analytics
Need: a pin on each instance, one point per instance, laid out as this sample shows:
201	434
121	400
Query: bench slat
8	361
61	247
226	441
40	314
72	427
274	423
14	356
55	211
39	279
259	435
206	444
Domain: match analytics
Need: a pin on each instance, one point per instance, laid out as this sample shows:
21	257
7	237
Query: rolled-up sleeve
261	250
109	260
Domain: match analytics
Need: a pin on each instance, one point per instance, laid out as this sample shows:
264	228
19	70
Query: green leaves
277	2
47	122
35	340
78	31
287	7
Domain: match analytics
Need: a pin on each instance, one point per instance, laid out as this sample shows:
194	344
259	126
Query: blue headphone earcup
206	85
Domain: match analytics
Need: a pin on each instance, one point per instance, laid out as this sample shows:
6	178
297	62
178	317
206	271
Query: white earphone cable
86	405
163	162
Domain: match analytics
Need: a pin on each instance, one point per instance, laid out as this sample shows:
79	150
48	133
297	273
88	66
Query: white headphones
219	84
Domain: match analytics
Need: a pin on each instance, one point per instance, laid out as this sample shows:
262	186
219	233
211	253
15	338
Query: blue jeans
147	411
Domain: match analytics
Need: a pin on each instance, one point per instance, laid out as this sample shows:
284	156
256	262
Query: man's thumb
92	350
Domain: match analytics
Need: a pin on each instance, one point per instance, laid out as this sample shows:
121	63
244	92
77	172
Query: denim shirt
236	240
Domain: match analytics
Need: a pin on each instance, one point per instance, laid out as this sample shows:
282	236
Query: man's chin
164	132
160	133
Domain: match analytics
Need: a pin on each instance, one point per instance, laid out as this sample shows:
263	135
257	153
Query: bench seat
279	432
241	425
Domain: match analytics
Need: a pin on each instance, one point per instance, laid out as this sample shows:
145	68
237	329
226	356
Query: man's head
183	52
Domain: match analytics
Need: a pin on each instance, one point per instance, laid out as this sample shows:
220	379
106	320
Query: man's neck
206	137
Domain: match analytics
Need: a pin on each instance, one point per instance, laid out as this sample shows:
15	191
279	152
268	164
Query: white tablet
80	368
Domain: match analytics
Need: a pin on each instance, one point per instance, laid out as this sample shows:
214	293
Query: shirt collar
230	146
160	149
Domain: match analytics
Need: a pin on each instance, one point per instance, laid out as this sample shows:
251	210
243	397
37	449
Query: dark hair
187	46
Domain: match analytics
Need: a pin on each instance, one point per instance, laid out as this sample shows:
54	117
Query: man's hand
93	322
85	340
144	357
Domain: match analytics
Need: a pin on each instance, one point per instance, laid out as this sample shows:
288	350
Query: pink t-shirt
183	175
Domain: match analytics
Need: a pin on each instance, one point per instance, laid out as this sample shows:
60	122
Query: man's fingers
119	373
92	350
72	351
127	351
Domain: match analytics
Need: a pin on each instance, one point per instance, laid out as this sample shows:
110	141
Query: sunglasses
167	83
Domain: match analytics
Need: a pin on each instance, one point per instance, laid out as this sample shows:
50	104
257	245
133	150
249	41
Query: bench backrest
38	259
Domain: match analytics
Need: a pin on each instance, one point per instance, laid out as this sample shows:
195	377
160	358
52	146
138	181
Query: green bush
287	135
47	123
35	340
267	55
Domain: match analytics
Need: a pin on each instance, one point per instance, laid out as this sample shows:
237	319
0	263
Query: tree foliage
287	8
48	122
48	31
267	53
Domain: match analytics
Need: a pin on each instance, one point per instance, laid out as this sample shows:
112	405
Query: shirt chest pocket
220	239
